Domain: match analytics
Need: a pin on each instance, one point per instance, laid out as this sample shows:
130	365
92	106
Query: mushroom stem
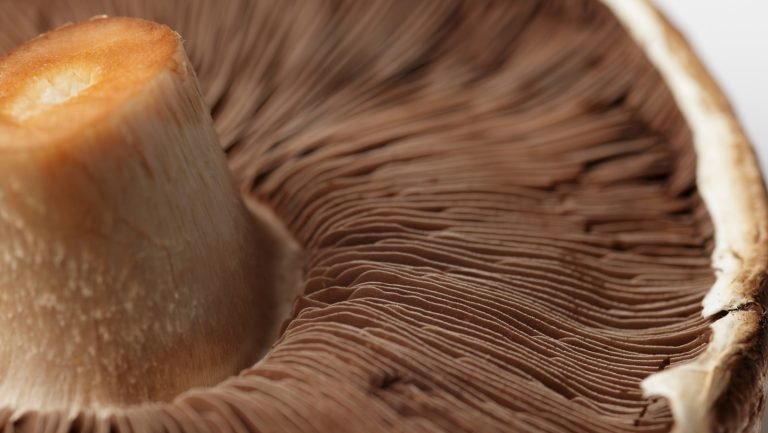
130	270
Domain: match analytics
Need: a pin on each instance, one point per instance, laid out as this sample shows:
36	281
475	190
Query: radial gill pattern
496	202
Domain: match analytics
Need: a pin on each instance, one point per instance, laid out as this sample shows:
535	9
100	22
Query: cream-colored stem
130	270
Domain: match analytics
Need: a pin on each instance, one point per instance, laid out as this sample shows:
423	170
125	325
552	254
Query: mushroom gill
500	217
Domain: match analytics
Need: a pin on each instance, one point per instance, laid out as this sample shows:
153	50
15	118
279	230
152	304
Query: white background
731	36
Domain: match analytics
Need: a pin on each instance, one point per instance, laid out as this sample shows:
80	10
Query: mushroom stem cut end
130	269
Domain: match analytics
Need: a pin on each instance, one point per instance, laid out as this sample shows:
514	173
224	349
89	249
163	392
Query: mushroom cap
510	215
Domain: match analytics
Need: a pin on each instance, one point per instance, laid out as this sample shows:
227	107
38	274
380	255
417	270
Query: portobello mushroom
446	216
